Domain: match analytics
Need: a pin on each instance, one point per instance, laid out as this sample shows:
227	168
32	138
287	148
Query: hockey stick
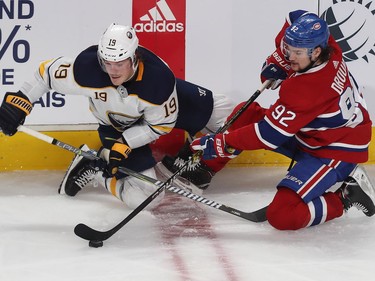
95	236
234	117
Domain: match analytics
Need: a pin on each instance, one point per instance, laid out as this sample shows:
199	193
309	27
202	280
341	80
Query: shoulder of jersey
157	80
88	72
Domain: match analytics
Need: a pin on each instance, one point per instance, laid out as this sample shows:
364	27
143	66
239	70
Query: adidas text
159	27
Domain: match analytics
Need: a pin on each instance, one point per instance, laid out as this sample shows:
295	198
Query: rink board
23	152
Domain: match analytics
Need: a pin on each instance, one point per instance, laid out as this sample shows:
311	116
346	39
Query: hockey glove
13	111
119	152
213	146
275	68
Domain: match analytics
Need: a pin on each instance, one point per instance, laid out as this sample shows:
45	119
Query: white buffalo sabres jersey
143	108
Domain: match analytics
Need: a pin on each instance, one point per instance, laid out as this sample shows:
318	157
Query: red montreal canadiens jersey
322	108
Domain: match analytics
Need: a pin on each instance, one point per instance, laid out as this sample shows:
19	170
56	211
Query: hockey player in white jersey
135	98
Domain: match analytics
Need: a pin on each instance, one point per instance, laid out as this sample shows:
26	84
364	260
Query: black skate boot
358	191
195	178
78	175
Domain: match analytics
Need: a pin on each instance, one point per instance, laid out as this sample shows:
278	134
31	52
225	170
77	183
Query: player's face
299	57
119	72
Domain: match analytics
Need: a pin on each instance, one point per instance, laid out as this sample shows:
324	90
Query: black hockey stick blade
88	233
256	216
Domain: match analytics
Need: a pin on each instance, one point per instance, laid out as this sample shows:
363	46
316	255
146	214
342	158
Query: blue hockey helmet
308	31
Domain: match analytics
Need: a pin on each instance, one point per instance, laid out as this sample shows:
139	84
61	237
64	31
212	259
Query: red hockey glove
213	146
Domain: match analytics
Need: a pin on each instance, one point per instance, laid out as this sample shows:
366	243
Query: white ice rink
179	241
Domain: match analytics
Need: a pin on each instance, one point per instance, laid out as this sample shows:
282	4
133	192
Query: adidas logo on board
159	19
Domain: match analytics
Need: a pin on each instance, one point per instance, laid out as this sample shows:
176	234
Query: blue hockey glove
213	146
274	73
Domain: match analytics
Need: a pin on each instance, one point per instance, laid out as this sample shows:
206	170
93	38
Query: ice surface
180	240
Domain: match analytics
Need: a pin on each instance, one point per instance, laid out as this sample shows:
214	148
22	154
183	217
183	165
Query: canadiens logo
159	19
352	23
316	26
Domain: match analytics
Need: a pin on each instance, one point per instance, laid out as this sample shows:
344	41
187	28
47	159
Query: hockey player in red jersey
319	120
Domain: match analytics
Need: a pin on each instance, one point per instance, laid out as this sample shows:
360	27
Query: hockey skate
358	191
79	174
195	178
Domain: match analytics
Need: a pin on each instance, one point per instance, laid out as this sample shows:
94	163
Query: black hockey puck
96	244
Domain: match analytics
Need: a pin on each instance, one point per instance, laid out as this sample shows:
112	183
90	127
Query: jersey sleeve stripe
278	129
259	135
